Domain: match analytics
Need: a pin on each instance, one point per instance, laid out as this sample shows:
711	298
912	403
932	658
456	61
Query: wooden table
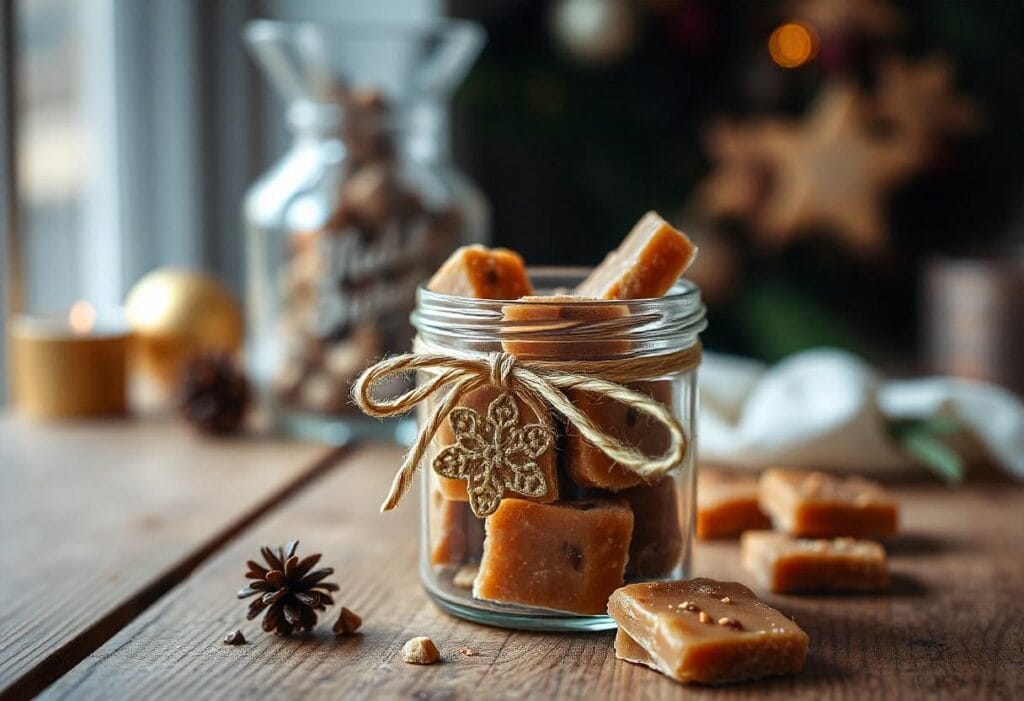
125	544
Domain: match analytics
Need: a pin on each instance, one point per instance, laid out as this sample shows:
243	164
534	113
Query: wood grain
100	519
953	626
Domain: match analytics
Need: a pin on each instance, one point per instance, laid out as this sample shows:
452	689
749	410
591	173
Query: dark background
571	153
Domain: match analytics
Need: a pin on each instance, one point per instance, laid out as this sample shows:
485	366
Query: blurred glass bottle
361	209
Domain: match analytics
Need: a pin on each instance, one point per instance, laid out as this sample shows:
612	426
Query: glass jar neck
554	328
420	132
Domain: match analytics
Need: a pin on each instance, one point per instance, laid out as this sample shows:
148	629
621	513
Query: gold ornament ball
178	314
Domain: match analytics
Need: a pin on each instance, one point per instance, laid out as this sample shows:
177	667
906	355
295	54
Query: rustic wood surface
99	519
953	626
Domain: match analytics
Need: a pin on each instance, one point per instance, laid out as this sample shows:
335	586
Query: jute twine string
541	385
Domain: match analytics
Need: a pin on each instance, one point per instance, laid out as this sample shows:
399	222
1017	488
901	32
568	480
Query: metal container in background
974	320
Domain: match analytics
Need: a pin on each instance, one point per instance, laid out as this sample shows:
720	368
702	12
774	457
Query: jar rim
645	326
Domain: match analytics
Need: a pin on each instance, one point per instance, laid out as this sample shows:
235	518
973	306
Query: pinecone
214	394
293	593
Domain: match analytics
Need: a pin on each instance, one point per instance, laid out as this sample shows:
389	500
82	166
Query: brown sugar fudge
657	543
478	400
783	563
705	631
727	504
818	504
568	556
559	314
586	464
477	271
646	264
456	534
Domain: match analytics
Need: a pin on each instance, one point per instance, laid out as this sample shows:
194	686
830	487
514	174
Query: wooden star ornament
739	178
918	101
832	172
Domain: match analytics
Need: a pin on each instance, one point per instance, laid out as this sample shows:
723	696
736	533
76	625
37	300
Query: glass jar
365	204
551	566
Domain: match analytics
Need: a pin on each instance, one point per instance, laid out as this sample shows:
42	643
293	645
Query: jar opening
555	328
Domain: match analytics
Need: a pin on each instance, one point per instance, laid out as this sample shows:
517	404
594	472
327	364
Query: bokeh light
82	318
793	44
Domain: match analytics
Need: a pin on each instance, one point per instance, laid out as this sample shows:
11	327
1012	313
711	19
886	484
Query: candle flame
82	317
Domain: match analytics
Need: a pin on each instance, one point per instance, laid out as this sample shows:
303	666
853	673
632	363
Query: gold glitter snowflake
495	455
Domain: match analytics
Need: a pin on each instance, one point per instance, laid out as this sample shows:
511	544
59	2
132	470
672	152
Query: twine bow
541	386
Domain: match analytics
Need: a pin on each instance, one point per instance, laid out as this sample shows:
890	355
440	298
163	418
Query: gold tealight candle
73	366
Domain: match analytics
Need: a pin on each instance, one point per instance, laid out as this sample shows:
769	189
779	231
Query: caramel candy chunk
477	271
646	264
567	556
456	534
657	543
544	326
822	505
727	505
420	650
478	400
783	563
705	631
586	464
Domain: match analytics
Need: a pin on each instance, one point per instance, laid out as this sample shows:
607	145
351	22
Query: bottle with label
360	210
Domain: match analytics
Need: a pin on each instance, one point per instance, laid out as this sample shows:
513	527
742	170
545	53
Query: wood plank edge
58	663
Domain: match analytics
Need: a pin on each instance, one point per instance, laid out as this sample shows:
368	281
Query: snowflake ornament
495	455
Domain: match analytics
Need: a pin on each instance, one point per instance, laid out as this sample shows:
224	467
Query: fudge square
566	556
542	328
727	504
783	563
646	264
477	271
704	631
822	505
456	534
586	464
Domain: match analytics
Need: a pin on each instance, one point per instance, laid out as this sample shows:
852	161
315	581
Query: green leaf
933	454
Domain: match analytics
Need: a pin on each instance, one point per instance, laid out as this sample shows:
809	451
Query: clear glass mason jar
551	566
364	205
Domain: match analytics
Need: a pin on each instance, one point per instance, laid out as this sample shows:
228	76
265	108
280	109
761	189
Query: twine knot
540	385
502	365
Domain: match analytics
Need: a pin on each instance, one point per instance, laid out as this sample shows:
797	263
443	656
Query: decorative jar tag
495	455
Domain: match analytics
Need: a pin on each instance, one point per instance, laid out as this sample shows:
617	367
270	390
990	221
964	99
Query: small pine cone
287	589
214	394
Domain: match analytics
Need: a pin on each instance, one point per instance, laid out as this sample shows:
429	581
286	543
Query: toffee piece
567	556
705	631
483	273
545	326
476	271
646	264
727	505
656	547
456	534
783	563
586	464
822	505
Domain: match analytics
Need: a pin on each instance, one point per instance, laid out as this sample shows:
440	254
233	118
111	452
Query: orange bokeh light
82	318
793	44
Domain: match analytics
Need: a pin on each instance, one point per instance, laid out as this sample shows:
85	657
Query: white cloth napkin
828	409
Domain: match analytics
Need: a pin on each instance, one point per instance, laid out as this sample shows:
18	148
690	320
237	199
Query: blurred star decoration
833	170
919	101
